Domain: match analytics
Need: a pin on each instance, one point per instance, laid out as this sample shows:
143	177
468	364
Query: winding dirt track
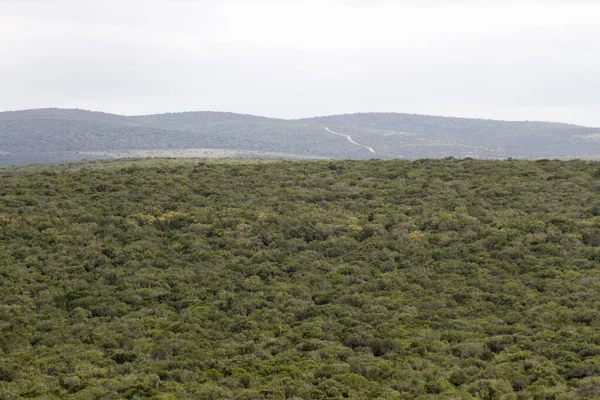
349	138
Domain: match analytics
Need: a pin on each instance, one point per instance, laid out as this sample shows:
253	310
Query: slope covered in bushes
323	279
52	135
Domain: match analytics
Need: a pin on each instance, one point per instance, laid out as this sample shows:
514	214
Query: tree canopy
200	279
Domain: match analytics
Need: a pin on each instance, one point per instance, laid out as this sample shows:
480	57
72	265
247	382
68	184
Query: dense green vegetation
429	279
50	135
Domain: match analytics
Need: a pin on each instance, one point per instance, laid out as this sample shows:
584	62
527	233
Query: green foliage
430	279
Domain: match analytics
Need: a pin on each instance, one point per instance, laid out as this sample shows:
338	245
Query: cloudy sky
518	60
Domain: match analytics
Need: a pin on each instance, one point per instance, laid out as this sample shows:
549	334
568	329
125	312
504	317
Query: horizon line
290	119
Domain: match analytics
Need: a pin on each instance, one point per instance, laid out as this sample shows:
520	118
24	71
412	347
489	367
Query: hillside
50	135
270	279
432	137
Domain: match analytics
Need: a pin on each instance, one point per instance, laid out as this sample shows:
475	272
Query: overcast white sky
518	60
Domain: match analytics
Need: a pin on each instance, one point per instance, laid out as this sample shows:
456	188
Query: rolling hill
49	135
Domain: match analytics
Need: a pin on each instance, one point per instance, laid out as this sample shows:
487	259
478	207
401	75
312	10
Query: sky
512	60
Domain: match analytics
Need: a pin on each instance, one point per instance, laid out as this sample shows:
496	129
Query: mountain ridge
57	134
175	113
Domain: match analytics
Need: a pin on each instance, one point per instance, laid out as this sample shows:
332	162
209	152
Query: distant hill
48	135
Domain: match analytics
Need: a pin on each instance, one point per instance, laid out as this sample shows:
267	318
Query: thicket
445	279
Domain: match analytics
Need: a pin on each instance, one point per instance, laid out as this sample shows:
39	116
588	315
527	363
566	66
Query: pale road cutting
349	138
